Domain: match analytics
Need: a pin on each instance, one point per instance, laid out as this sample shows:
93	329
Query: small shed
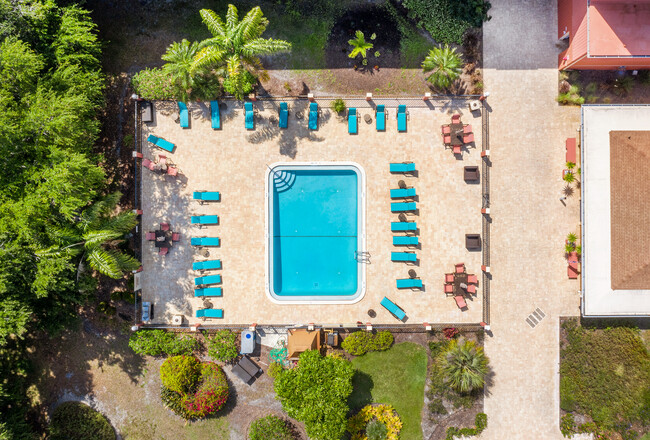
301	340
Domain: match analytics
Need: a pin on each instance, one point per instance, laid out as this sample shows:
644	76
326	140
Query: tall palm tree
236	44
95	235
359	45
464	366
445	65
179	57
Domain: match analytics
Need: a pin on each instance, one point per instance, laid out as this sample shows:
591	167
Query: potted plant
338	105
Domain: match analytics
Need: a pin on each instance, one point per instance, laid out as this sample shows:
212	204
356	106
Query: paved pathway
527	133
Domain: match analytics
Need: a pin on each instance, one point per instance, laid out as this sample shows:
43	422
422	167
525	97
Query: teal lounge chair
205	219
403	240
206	265
209	313
392	308
403	226
408	167
402	193
380	117
215	115
207	291
210	279
184	115
353	122
205	241
404	257
250	116
409	283
401	118
206	196
283	115
161	143
402	206
313	116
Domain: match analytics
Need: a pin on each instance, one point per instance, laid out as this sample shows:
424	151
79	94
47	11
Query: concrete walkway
527	134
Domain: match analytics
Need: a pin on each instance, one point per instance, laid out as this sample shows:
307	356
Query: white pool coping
361	235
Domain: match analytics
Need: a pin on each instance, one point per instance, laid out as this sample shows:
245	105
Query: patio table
166	241
456	134
460	278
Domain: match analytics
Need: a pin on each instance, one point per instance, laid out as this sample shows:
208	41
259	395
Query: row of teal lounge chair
380	119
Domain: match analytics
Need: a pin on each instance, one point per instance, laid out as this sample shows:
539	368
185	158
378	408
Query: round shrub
338	105
375	430
358	343
383	341
203	387
77	420
275	369
222	346
180	373
269	428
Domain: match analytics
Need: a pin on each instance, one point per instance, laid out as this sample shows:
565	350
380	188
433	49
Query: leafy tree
315	392
359	45
464	365
179	57
95	234
236	45
444	64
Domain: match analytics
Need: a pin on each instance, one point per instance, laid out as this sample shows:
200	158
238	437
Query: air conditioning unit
177	320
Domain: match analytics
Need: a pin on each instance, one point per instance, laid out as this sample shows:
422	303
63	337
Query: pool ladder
362	256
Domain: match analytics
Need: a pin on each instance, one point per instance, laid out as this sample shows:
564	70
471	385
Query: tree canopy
51	87
315	392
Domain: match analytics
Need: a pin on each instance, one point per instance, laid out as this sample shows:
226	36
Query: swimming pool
315	232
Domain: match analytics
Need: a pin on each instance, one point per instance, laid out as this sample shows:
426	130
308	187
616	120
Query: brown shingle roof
630	209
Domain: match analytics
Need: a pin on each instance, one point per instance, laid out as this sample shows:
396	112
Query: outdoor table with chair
457	134
459	283
163	238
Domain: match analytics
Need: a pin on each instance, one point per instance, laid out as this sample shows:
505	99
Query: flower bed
382	413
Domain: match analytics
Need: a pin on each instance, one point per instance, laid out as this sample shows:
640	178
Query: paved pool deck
234	161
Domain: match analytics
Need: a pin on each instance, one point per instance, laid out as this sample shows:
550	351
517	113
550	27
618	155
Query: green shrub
604	374
275	369
572	97
269	428
358	343
361	342
376	430
211	394
222	346
160	342
447	20
154	84
623	85
567	425
180	373
436	407
338	105
481	422
316	392
240	85
383	341
437	347
75	420
191	389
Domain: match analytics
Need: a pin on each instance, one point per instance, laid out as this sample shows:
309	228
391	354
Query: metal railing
485	189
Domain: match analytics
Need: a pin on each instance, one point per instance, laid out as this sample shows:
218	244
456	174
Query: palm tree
95	235
236	44
569	177
359	45
179	57
445	65
464	366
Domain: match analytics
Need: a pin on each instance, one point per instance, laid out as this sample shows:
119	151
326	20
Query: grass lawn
606	375
395	377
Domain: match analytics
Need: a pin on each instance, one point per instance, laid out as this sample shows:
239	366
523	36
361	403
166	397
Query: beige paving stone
234	162
527	134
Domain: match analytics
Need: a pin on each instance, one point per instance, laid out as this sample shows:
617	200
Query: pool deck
234	162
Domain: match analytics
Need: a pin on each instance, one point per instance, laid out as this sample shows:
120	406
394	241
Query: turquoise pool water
314	232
